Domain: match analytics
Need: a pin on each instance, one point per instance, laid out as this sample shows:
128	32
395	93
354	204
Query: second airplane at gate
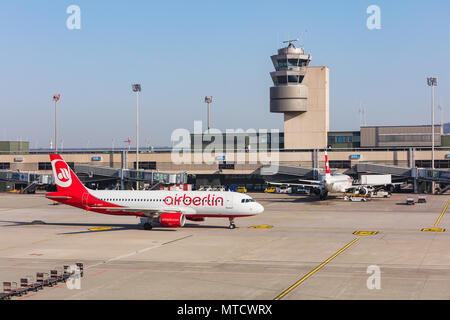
169	208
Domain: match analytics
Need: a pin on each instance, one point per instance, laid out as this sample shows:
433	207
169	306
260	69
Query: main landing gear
232	225
148	226
146	223
323	195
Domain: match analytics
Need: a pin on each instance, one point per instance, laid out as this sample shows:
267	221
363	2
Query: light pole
56	98
432	82
137	88
208	100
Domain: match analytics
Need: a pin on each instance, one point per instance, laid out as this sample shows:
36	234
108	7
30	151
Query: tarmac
296	249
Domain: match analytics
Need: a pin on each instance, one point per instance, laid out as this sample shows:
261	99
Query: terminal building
301	93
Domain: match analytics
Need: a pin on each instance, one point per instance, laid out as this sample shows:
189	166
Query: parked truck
376	179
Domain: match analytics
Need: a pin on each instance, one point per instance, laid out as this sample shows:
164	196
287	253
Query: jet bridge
100	173
415	175
27	182
290	171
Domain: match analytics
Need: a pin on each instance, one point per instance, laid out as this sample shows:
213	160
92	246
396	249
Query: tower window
290	79
294	79
282	79
282	63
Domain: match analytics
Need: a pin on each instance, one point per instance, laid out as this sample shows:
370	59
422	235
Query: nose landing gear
232	225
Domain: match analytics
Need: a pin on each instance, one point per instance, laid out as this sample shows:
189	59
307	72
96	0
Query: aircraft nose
259	208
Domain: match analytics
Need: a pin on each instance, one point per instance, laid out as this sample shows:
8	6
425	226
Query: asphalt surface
296	249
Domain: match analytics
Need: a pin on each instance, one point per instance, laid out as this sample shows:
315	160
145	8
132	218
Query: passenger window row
146	200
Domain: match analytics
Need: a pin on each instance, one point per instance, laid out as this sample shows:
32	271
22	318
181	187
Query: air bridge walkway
27	180
96	173
425	174
89	173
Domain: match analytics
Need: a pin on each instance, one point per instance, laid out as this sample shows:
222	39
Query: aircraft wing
311	181
293	184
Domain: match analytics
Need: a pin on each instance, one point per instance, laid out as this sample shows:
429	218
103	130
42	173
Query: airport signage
18	159
96	158
447	156
226	166
220	158
355	156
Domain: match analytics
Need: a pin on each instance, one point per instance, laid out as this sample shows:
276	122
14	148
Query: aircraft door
229	201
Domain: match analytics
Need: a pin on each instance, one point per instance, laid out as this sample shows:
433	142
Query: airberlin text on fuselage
196	201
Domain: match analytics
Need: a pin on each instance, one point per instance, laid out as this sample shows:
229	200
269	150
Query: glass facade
282	63
239	141
438	164
348	139
44	166
340	164
406	137
5	165
289	79
146	165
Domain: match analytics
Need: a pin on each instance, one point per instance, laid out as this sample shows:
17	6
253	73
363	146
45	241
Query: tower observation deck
288	93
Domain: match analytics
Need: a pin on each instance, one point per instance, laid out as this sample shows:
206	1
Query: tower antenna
291	41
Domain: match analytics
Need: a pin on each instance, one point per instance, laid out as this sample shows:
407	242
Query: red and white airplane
169	208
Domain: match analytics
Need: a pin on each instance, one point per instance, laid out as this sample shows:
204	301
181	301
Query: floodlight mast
432	82
137	88
56	98
208	100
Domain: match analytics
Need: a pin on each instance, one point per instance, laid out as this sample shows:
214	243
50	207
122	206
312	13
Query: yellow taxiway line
285	292
442	214
3	249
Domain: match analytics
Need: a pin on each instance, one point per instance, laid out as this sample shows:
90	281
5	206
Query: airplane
169	208
332	182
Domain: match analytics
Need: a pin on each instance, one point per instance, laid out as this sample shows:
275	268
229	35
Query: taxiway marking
4	249
136	252
39	241
442	214
292	287
263	226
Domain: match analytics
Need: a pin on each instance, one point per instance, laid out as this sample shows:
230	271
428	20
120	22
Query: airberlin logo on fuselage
196	201
61	172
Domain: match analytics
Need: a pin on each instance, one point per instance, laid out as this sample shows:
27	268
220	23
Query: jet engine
172	219
363	191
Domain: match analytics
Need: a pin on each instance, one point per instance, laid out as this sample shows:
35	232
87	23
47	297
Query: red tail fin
65	178
327	165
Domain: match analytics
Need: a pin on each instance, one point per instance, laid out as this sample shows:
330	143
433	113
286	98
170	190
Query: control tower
301	93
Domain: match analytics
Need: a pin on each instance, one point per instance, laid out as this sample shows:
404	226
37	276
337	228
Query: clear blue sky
183	50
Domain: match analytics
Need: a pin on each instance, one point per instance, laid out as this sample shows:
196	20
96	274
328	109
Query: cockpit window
247	200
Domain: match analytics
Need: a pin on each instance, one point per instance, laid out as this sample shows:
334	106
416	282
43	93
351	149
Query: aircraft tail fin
65	179
327	166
